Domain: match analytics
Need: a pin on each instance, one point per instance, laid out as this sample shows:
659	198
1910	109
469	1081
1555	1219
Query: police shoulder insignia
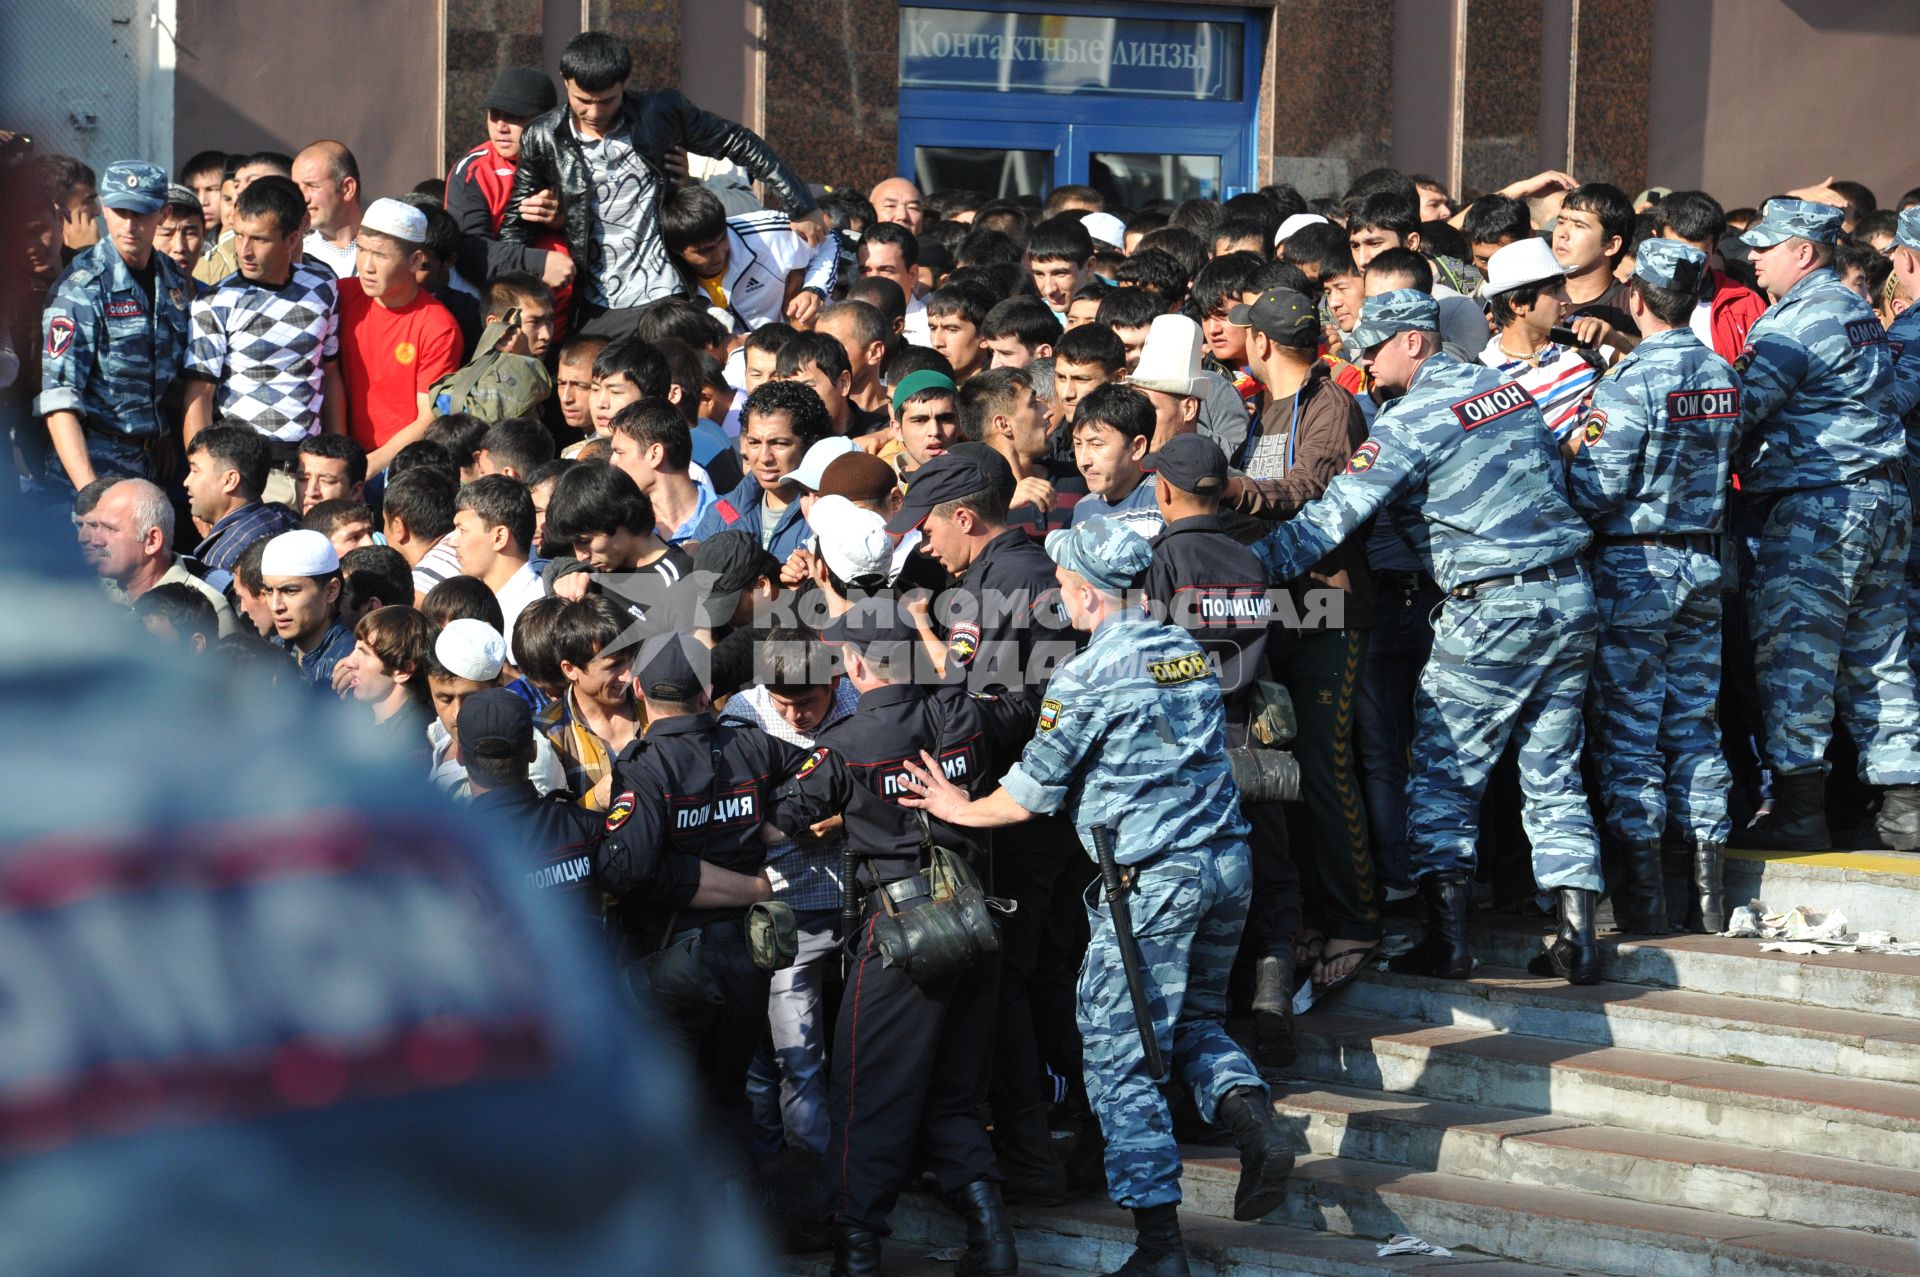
1745	361
59	336
1049	715
1181	669
1478	410
963	642
1595	427
620	812
1363	459
813	760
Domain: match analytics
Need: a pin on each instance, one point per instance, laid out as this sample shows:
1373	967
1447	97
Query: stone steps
1817	1039
1883	984
1551	1151
1096	1237
1532	1224
1769	1108
1877	891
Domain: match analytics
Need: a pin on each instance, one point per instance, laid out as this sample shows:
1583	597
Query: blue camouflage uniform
1903	343
1651	480
1823	454
112	349
1466	469
317	1022
1132	738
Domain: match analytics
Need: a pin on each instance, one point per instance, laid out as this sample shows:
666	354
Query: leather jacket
551	159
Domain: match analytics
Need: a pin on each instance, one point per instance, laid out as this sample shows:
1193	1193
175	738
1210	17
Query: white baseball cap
853	540
1106	229
1523	262
1294	223
813	466
1170	357
302	552
471	649
391	217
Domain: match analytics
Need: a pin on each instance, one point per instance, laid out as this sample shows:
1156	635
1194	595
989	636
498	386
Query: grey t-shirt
627	264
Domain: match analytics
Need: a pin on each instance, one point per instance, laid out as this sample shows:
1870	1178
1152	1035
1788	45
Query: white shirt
342	261
916	330
522	588
450	774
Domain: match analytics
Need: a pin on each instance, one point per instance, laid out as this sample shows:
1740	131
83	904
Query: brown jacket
1331	428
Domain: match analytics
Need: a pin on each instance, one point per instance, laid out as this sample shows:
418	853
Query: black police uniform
559	836
907	1061
1006	630
694	789
1216	589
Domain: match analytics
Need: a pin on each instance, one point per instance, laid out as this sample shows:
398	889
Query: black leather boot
1640	901
1158	1250
1899	820
856	1252
990	1251
1023	1146
1265	1158
1443	950
1676	867
1797	820
1709	860
1274	1046
1574	955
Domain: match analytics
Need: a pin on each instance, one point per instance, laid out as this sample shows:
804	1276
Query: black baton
849	906
1129	955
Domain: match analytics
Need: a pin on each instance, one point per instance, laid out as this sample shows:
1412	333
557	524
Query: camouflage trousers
1188	909
1828	608
1508	665
1656	679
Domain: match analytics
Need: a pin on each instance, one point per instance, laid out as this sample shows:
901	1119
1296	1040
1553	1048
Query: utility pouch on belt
676	975
949	930
773	937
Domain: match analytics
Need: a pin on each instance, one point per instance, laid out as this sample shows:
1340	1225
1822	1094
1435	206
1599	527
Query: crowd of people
876	616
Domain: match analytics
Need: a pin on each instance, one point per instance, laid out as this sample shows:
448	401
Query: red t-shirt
390	357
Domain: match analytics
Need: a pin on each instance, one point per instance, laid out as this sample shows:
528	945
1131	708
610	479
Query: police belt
719	931
905	893
1693	542
1565	569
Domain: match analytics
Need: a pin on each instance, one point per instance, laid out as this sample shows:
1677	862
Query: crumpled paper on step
1408	1244
1805	930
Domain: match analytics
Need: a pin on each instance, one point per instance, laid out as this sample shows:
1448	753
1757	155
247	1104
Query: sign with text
1058	53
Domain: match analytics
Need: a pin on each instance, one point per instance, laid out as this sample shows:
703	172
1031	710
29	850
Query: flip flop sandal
1366	956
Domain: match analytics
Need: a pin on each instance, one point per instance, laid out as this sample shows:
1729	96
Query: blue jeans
787	1085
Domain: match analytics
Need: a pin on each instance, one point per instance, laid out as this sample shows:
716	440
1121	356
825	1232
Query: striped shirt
1561	382
228	539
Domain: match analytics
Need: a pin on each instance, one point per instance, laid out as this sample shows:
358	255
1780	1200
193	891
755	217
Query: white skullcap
391	217
1106	228
1296	222
471	649
302	552
853	541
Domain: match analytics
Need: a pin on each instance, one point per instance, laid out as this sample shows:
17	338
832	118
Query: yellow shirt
712	288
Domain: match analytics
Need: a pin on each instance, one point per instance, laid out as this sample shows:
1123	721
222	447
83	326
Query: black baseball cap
521	91
1280	313
947	477
1191	463
495	723
726	565
666	673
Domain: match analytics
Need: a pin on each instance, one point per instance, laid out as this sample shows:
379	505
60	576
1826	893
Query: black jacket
551	159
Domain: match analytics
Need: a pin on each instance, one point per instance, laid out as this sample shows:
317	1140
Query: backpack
494	386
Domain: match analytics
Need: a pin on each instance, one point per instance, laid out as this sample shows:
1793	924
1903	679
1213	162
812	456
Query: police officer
1903	342
384	1057
1650	477
495	731
1131	742
684	860
115	333
908	1057
1824	459
1005	634
1464	465
1215	588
